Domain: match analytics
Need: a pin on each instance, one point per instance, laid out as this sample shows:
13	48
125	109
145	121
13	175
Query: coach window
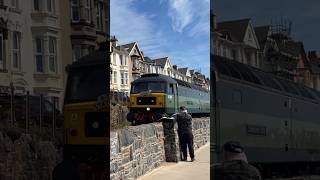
237	97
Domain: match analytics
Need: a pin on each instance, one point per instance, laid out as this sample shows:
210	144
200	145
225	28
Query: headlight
95	125
148	109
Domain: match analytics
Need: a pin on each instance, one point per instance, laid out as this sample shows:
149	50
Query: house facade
36	67
315	69
120	75
237	40
83	28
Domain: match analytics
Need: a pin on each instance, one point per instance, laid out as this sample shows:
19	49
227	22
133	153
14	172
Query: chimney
312	55
114	41
174	67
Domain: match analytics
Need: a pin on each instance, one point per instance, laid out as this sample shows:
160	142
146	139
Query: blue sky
179	29
305	16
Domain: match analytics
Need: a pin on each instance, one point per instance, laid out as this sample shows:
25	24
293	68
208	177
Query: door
171	100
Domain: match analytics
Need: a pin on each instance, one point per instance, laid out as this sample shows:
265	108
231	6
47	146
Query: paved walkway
199	169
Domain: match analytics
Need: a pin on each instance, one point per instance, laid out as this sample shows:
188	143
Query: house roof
262	34
161	61
183	70
236	29
290	47
129	46
148	59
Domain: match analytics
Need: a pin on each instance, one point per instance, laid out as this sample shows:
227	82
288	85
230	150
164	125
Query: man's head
232	150
183	109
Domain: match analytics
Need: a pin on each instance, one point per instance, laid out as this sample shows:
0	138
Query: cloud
181	14
190	15
129	22
129	25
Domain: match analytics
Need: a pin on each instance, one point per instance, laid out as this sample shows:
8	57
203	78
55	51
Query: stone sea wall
136	150
201	131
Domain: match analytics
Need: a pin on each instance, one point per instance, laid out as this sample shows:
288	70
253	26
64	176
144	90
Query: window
75	10
115	77
114	59
51	5
39	54
123	60
76	52
1	51
110	77
36	5
124	78
52	54
100	16
15	3
87	10
16	50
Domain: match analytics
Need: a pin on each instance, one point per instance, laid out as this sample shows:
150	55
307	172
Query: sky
179	29
305	16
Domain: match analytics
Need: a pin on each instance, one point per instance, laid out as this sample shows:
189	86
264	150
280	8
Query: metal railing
35	115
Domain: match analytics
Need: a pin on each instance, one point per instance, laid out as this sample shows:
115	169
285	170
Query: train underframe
288	169
143	116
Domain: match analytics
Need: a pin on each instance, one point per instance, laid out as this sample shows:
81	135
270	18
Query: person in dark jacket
184	121
235	165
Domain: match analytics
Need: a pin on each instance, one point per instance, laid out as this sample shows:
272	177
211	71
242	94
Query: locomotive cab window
84	80
150	86
171	89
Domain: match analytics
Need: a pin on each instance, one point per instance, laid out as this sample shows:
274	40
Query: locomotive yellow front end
146	107
85	115
151	97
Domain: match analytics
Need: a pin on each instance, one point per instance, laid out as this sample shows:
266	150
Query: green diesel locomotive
276	120
154	95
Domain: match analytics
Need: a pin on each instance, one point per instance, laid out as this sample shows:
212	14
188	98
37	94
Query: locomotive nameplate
256	130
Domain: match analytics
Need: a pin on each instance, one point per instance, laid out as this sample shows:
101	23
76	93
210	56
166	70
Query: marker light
148	109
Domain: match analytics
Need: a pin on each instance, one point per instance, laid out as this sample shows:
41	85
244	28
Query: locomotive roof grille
231	68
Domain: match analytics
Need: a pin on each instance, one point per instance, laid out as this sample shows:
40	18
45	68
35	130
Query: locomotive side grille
146	101
96	124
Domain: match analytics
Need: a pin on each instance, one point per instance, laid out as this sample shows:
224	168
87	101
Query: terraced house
121	71
83	28
30	54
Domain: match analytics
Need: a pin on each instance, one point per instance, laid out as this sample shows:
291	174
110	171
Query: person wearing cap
184	121
235	165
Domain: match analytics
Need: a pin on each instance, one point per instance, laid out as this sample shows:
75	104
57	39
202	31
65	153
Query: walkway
199	169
